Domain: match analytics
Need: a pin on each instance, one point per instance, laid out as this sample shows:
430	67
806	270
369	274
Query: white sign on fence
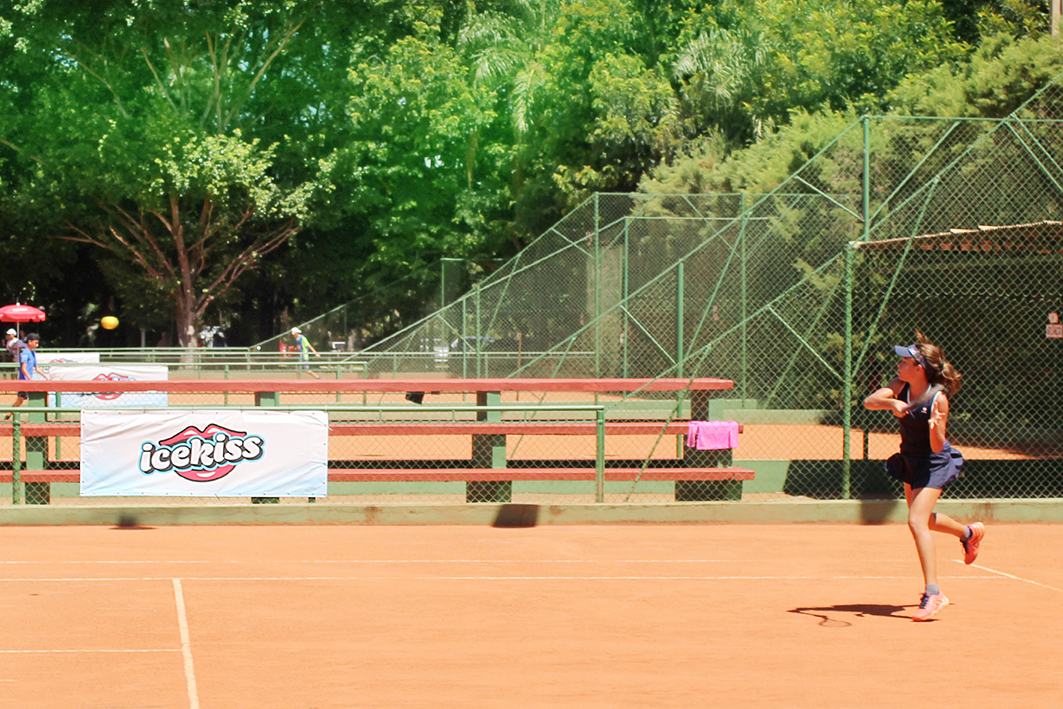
108	373
204	453
46	358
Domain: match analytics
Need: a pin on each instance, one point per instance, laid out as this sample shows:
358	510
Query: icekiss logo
110	377
200	456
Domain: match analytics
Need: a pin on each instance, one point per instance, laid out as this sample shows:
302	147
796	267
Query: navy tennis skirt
934	471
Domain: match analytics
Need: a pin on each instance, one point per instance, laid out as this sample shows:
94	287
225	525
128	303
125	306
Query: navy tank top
915	427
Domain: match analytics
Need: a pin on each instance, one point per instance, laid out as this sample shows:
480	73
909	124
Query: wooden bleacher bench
68	475
42	429
694	475
430	428
73	475
512	427
544	473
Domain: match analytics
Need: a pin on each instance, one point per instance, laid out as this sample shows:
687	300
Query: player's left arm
939	418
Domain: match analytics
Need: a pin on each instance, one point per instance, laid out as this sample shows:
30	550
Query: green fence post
599	459
626	284
37	493
679	319
847	383
58	439
266	398
16	461
742	236
476	350
464	337
597	289
489	451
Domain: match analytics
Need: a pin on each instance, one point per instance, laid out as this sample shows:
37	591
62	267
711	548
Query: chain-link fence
951	226
359	323
798	295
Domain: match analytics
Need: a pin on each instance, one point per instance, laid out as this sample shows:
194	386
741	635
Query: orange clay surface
551	616
757	442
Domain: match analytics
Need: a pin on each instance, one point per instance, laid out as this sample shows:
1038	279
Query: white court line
650	578
73	561
434	561
550	561
414	561
545	561
63	652
186	645
1013	577
490	578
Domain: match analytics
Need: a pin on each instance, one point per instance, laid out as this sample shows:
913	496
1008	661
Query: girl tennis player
926	463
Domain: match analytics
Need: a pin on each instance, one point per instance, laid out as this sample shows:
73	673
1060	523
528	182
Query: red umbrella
21	313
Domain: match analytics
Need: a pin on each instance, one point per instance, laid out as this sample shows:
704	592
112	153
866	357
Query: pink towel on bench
712	435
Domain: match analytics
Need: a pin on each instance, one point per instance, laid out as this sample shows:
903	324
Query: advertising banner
204	453
60	358
107	373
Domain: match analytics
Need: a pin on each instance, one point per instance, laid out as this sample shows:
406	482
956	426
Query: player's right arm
885	398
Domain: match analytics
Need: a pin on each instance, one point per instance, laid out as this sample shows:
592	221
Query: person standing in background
304	348
13	344
27	368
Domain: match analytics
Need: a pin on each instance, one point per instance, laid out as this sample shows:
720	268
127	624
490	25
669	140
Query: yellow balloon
109	323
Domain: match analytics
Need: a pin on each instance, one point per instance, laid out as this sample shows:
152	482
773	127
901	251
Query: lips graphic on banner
201	455
110	377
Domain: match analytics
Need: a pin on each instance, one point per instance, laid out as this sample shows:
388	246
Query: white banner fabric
108	373
46	358
204	453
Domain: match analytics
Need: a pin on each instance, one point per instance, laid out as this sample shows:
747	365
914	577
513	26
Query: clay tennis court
550	616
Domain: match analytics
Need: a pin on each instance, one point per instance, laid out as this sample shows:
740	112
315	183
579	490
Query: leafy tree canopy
254	161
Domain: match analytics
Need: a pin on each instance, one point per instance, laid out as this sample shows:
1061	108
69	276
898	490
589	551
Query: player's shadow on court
129	521
860	610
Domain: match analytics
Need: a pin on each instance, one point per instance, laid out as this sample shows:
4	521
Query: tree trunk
186	321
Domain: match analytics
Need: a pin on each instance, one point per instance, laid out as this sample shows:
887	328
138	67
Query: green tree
998	78
206	214
602	114
979	19
424	171
131	138
744	70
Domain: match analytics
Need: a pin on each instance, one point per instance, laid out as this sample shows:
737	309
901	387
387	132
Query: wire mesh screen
951	226
760	289
993	296
350	327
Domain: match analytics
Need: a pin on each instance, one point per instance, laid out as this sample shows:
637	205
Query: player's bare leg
920	512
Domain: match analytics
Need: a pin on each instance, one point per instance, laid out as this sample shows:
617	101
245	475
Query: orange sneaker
970	547
929	606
